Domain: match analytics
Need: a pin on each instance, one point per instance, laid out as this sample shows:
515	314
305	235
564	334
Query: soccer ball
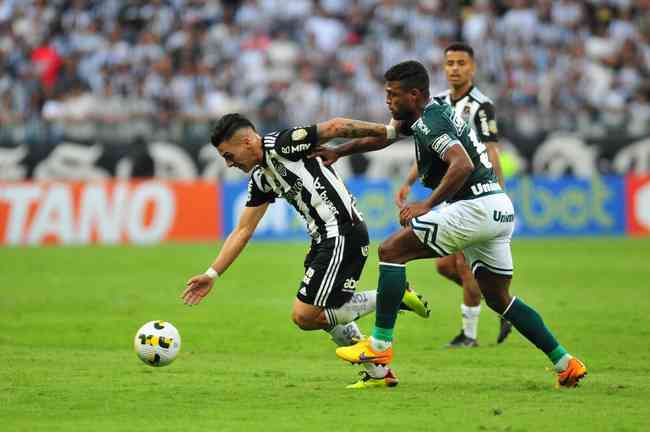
157	343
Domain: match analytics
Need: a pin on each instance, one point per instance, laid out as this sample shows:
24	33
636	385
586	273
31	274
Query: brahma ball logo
299	134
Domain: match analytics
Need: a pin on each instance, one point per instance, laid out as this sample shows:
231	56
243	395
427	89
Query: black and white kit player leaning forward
318	194
280	168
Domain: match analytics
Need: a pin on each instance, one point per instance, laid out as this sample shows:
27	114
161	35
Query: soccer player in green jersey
479	220
478	111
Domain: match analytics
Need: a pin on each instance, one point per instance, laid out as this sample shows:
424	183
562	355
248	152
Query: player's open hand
401	195
411	211
328	155
197	288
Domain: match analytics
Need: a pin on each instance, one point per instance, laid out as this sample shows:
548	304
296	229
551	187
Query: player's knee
386	252
302	321
497	301
494	289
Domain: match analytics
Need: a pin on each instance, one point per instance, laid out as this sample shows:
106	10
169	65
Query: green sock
530	324
392	284
382	334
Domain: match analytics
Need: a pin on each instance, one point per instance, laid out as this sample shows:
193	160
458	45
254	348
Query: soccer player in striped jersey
479	220
277	161
478	112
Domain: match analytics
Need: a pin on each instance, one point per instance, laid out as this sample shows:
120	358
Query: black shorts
333	268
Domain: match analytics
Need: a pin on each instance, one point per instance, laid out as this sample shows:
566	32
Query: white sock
348	334
470	319
345	334
376	371
360	304
563	363
379	345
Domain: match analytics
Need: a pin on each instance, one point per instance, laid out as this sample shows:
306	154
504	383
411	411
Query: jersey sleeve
259	191
485	123
441	131
295	143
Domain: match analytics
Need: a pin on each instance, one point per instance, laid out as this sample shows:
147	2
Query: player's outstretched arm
349	128
200	285
359	145
460	168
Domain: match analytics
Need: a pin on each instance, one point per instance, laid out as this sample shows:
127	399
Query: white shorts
480	227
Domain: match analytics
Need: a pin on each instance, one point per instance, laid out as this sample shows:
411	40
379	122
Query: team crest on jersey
466	113
293	192
299	134
281	169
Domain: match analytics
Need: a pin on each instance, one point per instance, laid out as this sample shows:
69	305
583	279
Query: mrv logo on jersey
290	149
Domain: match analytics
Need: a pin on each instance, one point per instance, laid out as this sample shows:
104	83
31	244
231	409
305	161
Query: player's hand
401	195
197	287
411	211
328	155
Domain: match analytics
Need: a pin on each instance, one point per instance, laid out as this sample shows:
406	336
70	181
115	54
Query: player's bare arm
359	145
493	155
460	168
349	128
200	285
403	192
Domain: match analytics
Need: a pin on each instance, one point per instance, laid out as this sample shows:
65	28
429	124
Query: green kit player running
479	220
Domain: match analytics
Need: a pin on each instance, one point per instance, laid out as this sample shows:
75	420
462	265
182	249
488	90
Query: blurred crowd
118	70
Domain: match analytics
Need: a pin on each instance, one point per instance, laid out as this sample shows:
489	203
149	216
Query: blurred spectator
165	68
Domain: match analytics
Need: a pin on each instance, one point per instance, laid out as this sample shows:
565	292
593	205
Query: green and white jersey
434	133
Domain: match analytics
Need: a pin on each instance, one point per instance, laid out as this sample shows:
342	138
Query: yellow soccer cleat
362	352
415	303
366	381
575	371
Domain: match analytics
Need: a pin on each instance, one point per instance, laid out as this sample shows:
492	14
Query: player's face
459	68
401	103
239	152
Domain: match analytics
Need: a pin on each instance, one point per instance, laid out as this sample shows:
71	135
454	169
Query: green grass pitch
68	317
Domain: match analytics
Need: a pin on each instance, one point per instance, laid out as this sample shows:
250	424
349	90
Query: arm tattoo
347	128
360	129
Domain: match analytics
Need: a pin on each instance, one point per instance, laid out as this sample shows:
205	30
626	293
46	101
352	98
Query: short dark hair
410	74
226	127
460	46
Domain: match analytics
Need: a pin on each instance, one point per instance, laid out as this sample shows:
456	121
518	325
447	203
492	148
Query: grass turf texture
68	317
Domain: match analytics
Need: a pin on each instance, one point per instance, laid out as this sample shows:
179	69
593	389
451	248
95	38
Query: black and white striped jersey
314	190
477	110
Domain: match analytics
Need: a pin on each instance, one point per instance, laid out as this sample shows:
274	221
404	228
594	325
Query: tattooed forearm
347	128
360	129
